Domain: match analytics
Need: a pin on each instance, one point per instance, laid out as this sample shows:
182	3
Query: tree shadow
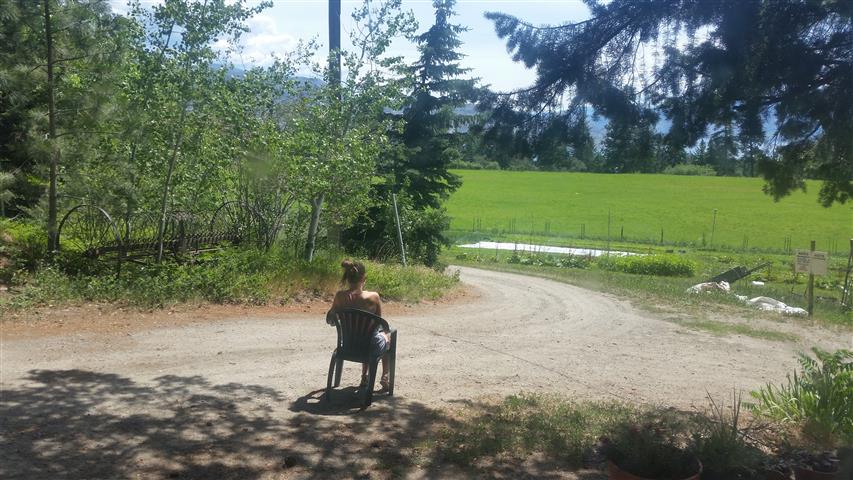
82	424
77	424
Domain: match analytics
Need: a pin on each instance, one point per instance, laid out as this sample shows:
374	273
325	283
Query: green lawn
518	205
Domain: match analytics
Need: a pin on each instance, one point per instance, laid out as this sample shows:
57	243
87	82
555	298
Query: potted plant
818	403
721	445
648	452
817	466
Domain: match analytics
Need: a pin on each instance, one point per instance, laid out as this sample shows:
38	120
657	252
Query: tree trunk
164	200
52	242
316	208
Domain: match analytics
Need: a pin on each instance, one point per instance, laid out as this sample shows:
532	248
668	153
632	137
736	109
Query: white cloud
263	40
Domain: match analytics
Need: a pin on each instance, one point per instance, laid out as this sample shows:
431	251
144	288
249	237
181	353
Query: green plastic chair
355	331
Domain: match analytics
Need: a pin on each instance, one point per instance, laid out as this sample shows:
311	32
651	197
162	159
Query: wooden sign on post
813	263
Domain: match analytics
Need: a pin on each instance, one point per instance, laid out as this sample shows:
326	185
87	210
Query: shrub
661	265
477	165
24	242
690	169
229	276
819	399
540	260
395	282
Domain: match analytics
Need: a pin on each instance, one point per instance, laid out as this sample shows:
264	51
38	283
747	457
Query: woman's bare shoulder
373	296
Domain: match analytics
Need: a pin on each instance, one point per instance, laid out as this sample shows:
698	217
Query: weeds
724	328
234	275
818	399
528	423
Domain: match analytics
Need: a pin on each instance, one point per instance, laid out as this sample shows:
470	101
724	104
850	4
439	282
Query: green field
521	205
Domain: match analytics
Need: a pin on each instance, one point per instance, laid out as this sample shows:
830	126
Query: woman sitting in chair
355	296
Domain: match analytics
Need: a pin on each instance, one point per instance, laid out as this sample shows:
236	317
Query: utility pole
335	42
335	81
51	119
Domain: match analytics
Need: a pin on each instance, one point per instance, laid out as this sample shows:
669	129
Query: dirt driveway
238	397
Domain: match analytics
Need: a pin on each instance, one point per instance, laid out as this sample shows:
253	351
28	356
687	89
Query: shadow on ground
75	424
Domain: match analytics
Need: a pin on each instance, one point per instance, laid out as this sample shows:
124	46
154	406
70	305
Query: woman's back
360	299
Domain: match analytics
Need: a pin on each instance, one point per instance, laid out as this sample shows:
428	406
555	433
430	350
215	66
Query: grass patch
639	206
527	423
656	291
723	328
233	275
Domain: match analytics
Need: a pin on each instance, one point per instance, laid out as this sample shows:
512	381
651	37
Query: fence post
399	230
713	228
811	286
846	294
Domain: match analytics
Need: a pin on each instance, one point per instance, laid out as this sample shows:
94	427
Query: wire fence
713	238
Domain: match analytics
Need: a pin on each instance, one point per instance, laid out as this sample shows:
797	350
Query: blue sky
278	29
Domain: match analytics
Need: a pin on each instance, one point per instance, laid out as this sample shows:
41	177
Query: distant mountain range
597	124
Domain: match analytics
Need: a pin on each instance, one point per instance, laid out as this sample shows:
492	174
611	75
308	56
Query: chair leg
371	381
392	362
338	371
332	364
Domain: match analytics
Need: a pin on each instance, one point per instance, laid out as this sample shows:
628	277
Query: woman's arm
377	301
330	315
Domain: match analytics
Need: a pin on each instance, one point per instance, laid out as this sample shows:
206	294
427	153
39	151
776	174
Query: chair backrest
355	328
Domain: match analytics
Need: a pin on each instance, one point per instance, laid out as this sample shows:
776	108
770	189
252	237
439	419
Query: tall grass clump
722	445
395	282
818	400
660	265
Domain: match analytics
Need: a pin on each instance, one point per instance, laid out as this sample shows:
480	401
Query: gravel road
237	397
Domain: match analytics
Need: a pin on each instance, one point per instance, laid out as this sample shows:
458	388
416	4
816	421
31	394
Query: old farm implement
90	231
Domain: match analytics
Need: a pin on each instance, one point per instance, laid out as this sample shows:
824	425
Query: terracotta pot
776	475
808	474
616	473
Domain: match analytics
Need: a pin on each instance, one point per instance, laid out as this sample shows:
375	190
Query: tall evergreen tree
630	147
791	59
415	164
431	119
57	74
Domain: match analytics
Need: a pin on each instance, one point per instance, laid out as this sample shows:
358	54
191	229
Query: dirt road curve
237	398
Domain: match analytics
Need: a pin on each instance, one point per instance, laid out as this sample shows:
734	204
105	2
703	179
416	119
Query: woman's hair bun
354	272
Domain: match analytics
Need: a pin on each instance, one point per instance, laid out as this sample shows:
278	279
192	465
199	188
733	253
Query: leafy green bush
661	265
819	399
25	243
690	169
395	282
230	276
540	260
481	165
